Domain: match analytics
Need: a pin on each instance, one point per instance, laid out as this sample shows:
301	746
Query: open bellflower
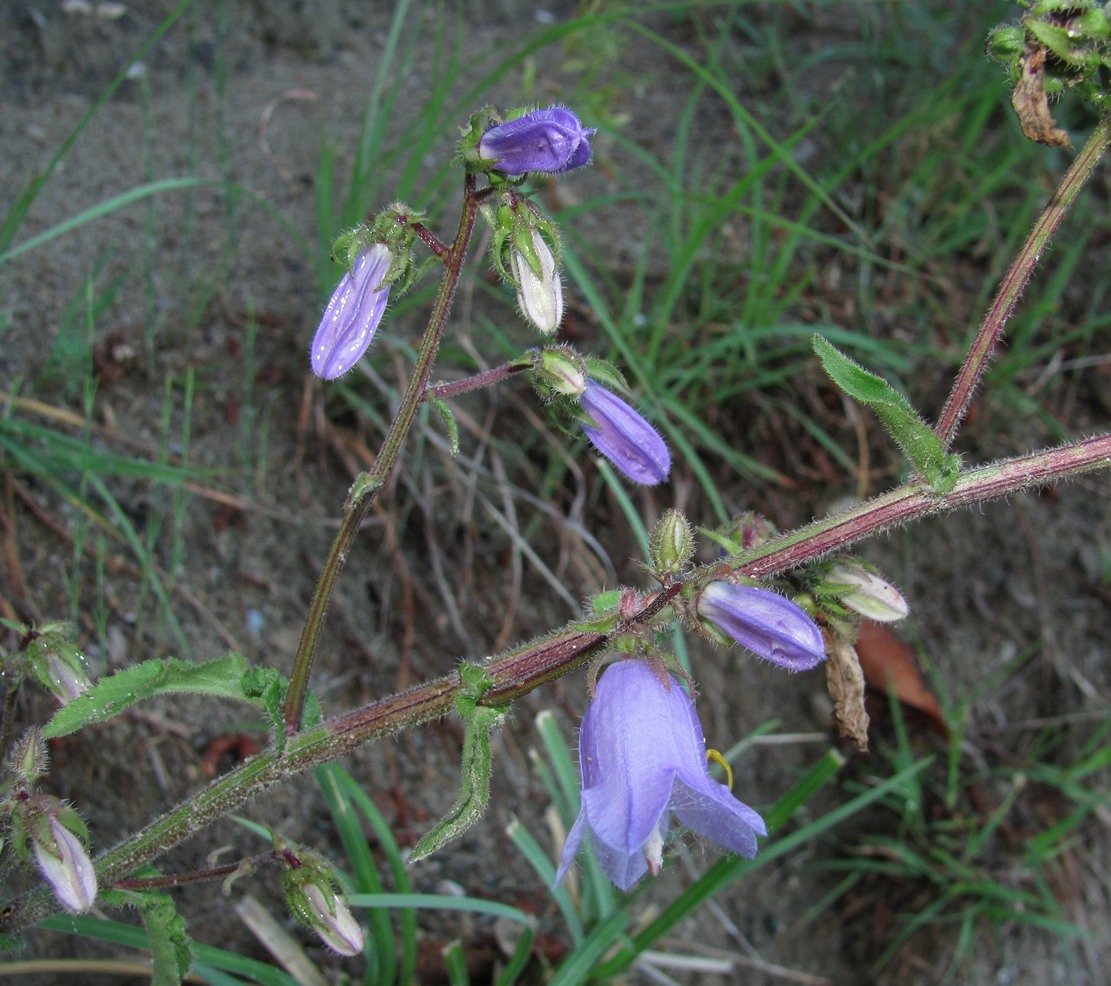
765	622
550	141
642	757
353	313
624	437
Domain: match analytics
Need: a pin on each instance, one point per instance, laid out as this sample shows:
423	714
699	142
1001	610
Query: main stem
1017	277
519	671
365	490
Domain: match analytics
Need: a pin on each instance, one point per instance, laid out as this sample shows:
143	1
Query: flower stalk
371	482
1017	277
523	669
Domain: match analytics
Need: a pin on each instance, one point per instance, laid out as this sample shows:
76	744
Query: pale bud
65	865
866	593
539	291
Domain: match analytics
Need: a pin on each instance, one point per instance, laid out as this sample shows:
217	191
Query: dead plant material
845	682
1031	103
890	667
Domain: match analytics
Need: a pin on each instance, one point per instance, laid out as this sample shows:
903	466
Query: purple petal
352	315
550	141
624	437
765	622
627	756
710	810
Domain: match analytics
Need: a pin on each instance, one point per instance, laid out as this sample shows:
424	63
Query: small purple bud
624	437
642	757
67	868
353	314
549	141
765	622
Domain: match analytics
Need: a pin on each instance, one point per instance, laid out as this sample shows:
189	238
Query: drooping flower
624	437
550	141
353	313
66	866
540	296
642	757
765	622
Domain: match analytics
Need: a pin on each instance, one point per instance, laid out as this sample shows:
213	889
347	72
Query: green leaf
222	677
448	417
474	782
914	437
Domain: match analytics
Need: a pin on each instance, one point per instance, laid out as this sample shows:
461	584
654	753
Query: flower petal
711	810
765	622
624	437
551	141
353	313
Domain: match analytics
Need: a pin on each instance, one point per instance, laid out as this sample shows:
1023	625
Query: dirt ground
1009	603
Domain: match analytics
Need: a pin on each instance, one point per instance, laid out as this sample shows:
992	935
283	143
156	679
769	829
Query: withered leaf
1032	104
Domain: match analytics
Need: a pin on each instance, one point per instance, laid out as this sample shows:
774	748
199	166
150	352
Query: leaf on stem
474	782
916	439
223	677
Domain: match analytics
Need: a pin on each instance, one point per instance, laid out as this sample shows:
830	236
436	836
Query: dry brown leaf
845	682
1032	105
890	667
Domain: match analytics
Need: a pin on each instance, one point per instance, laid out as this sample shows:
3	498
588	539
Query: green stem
522	669
1014	282
365	490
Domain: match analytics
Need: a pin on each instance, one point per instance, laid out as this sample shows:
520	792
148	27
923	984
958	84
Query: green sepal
605	616
170	946
474	782
222	677
448	417
914	437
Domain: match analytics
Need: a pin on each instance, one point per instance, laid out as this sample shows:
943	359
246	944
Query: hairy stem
366	487
519	671
1014	282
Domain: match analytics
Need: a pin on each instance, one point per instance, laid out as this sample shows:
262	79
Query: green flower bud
559	372
671	544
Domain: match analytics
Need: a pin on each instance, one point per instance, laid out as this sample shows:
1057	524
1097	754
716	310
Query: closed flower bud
765	622
866	593
539	291
333	921
619	432
65	865
311	895
549	141
559	371
671	544
56	664
28	759
642	758
353	313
